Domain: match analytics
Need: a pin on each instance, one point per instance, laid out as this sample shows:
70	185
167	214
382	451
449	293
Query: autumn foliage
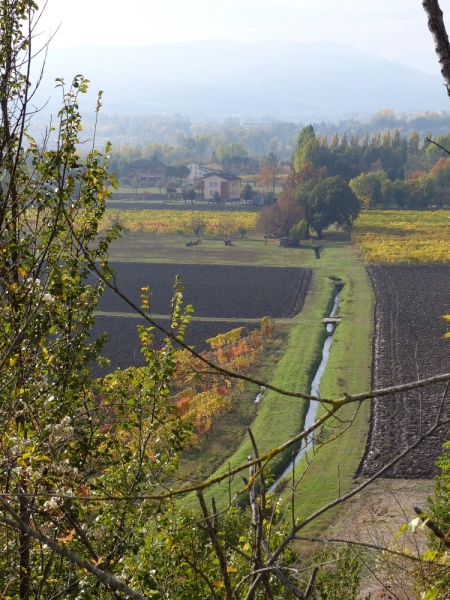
177	222
201	397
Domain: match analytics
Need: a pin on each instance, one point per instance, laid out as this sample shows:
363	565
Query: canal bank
280	418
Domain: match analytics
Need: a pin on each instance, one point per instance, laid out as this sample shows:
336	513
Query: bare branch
437	27
354	543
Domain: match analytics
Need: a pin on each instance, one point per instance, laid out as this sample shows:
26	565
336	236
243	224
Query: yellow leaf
42	458
430	555
231	569
219	584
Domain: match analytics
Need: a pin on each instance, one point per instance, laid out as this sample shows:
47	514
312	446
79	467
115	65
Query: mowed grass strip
332	470
172	249
253	251
280	417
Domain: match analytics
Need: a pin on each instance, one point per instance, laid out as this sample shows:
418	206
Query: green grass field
253	251
332	470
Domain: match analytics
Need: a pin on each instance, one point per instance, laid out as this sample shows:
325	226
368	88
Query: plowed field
217	292
408	344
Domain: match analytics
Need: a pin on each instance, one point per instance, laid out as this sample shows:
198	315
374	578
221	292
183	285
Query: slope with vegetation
87	505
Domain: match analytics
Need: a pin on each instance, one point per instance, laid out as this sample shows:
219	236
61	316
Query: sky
393	29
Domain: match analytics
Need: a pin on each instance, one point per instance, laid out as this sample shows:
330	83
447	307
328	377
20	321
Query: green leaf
430	595
401	531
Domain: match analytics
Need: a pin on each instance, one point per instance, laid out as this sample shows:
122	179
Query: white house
227	186
197	171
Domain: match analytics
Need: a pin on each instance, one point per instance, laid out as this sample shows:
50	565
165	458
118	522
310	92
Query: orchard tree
298	232
160	184
171	190
135	184
280	217
267	176
247	193
191	195
265	224
197	225
242	232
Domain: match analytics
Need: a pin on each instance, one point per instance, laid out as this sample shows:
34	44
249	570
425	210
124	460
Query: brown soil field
219	291
408	344
374	517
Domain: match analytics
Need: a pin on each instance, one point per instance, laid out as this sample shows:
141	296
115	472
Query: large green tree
331	201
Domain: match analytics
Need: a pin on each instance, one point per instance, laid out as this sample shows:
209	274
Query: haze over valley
216	79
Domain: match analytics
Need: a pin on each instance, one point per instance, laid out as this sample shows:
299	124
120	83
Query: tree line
332	179
201	138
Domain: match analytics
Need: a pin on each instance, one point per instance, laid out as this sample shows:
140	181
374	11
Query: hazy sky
394	29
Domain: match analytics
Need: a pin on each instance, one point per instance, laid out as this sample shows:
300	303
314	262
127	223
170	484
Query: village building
147	172
197	171
227	186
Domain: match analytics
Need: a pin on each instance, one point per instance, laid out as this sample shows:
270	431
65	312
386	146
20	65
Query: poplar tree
355	140
307	148
414	143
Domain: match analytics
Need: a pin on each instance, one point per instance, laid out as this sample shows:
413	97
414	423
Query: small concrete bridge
331	320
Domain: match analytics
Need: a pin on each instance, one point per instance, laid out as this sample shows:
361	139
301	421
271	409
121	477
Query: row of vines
183	223
201	397
404	236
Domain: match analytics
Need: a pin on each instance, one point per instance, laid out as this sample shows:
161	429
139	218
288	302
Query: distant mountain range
220	78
